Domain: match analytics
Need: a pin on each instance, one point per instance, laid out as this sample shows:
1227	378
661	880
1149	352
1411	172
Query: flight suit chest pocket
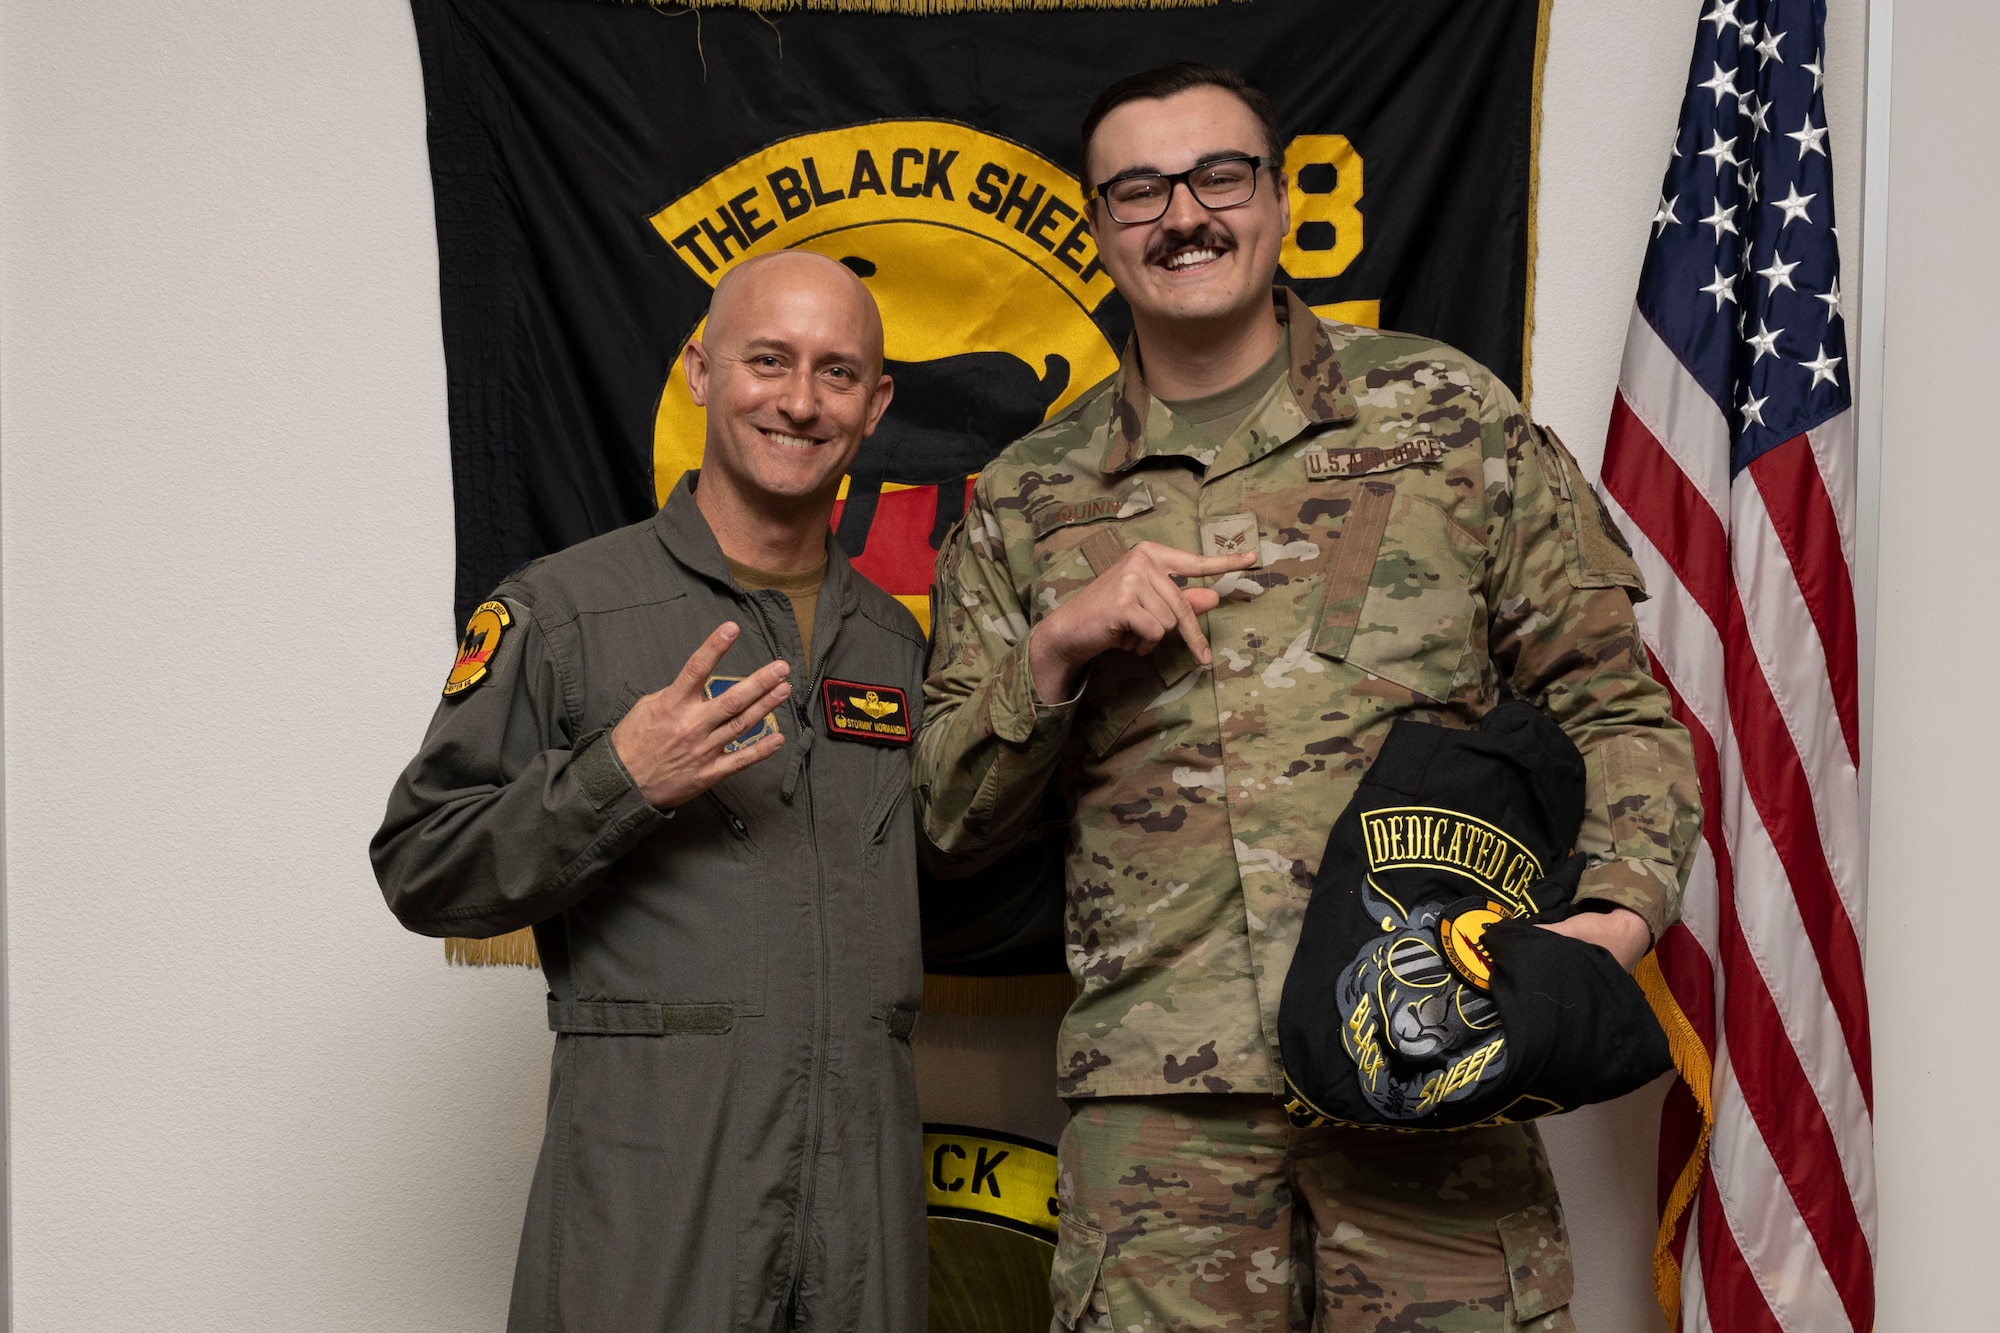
1401	595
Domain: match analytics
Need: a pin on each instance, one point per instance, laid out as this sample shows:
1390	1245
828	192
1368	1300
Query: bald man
680	751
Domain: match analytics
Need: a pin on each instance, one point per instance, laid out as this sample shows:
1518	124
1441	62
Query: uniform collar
684	531
1142	426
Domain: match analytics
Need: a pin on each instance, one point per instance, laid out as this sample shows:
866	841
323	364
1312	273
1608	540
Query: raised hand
672	741
1133	605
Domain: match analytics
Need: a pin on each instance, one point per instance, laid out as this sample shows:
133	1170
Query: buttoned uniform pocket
1075	1275
1540	1277
1401	598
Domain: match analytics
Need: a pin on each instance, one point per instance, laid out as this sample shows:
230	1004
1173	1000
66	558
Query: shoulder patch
476	648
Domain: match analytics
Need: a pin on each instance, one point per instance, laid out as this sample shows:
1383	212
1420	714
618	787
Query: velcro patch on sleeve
476	647
858	711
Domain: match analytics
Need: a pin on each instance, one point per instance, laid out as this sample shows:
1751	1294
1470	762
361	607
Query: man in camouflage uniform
1393	538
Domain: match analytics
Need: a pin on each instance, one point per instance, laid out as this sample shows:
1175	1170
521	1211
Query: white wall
241	1097
1936	783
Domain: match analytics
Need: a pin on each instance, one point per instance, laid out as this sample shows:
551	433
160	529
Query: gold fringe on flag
925	8
1691	1061
1048	994
513	950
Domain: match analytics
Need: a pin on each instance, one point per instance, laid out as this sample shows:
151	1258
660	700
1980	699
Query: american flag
1730	465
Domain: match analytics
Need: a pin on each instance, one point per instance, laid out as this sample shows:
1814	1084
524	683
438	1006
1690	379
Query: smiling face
790	370
1193	266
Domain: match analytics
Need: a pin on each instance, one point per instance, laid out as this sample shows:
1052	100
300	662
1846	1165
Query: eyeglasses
1227	182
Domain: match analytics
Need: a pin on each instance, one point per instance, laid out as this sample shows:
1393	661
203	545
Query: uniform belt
639	1018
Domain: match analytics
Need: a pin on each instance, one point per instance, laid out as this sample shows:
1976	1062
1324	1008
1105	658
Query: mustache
1202	237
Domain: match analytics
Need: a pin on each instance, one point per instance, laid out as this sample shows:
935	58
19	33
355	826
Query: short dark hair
1179	77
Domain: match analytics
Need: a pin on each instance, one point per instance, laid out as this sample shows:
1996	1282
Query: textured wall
241	1097
1935	783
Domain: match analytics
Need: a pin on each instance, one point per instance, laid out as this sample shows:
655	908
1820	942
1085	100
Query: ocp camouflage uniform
1417	538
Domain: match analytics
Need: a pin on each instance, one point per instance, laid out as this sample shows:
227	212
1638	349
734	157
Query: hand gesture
672	741
1133	605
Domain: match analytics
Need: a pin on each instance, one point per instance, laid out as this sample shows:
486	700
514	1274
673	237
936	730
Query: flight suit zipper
822	997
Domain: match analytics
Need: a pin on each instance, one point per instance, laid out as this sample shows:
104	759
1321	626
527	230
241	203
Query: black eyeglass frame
1257	163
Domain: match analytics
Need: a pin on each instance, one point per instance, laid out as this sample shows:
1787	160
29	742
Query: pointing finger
1191	634
1176	561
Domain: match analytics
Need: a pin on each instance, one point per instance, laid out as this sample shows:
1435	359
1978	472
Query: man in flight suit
1197	603
680	751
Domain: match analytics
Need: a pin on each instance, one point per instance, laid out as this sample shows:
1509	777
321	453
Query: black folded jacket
1421	996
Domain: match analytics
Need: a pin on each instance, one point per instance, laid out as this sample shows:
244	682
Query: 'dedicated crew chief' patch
858	712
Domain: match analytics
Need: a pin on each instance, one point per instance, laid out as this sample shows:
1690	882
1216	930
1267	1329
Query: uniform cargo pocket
1122	686
1079	1257
1538	1265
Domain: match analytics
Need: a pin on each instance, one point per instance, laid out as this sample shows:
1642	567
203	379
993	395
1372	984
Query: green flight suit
732	1137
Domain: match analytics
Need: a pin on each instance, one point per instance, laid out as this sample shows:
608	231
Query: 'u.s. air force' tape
716	687
982	1175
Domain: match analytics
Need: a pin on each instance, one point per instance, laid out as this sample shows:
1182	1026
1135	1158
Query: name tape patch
862	712
1135	499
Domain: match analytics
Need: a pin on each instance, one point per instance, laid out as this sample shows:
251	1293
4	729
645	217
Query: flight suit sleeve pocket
1536	1246
1079	1257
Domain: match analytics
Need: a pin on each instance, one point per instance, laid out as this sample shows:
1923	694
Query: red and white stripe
1751	626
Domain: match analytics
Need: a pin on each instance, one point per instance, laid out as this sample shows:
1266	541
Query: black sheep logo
949	419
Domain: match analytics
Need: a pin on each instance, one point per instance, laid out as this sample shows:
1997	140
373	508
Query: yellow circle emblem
1463	939
975	250
476	649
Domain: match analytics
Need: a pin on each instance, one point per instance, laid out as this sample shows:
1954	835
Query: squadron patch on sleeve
715	688
476	649
859	712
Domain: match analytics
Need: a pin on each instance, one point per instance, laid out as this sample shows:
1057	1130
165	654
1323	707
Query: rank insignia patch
476	649
718	686
1233	534
858	712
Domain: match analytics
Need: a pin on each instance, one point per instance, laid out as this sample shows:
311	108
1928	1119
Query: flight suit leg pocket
1540	1278
1075	1277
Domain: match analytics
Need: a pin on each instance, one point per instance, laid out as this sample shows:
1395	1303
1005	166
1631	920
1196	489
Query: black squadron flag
598	166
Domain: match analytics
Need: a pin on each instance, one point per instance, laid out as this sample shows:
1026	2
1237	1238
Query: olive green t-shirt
1219	414
802	589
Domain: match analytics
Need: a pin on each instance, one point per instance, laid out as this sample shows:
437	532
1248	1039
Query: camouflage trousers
1212	1212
